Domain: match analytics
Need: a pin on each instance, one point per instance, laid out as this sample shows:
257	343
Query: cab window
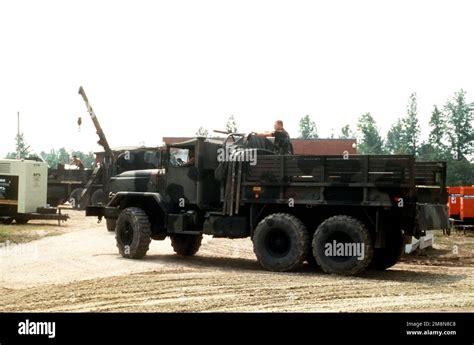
178	156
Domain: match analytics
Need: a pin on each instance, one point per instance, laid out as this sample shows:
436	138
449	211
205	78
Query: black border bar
241	328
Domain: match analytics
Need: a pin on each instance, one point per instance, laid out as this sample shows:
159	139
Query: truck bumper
102	211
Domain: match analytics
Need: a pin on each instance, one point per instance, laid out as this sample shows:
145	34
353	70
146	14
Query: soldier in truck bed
282	144
77	162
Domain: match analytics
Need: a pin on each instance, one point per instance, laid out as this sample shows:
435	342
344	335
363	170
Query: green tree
347	133
411	126
460	173
426	152
202	132
22	149
231	125
435	148
404	135
396	142
308	129
459	120
63	156
370	141
51	158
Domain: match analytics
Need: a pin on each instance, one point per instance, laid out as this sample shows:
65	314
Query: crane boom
106	169
102	139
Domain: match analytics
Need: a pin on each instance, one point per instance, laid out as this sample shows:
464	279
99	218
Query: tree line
53	157
450	138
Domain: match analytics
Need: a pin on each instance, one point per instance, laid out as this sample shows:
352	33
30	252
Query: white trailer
23	192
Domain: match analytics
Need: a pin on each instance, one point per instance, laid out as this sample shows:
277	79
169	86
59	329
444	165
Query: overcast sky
165	68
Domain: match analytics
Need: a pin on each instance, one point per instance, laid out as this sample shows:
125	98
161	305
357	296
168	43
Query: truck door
181	177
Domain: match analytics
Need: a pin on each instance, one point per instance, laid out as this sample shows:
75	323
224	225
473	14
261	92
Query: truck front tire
342	245
185	244
133	233
110	223
281	242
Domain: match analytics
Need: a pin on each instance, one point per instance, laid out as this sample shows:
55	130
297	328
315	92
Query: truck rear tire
342	230
281	242
133	233
110	223
98	197
185	244
389	256
21	221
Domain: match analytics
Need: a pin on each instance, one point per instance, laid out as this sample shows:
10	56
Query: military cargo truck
66	184
344	213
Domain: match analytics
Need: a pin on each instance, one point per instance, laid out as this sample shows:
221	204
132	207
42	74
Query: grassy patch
464	242
26	233
454	250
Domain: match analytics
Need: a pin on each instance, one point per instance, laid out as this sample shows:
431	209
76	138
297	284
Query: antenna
17	134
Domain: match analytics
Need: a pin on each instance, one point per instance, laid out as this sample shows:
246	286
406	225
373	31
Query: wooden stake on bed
227	189
239	181
232	188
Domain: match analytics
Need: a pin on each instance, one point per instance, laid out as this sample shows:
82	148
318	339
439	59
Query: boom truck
292	207
95	190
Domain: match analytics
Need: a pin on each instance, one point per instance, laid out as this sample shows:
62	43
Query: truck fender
121	199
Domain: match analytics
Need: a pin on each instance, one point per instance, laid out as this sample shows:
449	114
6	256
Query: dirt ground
79	269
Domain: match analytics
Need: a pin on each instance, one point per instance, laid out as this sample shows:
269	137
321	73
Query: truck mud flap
432	217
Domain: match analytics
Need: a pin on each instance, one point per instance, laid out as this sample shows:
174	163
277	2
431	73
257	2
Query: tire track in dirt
81	271
402	290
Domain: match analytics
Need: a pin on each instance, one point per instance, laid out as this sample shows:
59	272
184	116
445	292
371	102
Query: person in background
77	162
282	144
